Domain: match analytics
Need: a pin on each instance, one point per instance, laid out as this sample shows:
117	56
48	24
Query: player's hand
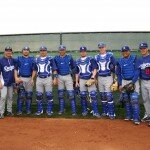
55	81
18	80
32	82
77	84
1	85
120	88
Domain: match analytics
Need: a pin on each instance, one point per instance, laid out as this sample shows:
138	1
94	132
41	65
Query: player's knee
134	98
39	96
60	94
93	95
102	96
49	95
109	96
71	94
83	94
22	94
125	97
29	95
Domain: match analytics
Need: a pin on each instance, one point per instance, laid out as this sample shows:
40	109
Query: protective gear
71	94
135	106
93	96
129	88
28	102
114	86
61	101
39	103
49	98
104	104
90	82
111	106
83	96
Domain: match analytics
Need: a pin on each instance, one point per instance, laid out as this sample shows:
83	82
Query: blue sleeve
112	64
0	67
34	65
94	64
137	71
72	63
53	64
17	63
118	73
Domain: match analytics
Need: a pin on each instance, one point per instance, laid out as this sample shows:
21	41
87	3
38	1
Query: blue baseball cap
101	44
43	48
143	45
83	48
62	47
8	48
125	48
26	48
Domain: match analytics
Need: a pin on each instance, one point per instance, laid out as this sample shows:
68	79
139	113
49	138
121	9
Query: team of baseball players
103	68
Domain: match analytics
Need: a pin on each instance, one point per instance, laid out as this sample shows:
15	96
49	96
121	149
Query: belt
145	79
43	77
104	75
25	76
64	74
128	79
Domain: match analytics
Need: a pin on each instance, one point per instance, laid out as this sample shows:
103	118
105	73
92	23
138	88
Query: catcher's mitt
129	88
90	82
114	86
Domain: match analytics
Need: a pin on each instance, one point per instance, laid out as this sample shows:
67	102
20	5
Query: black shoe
10	114
145	119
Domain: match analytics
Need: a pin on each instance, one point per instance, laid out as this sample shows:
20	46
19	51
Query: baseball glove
90	82
129	88
114	86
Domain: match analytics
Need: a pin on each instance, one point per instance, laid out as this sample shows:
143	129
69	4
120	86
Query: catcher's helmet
26	48
43	48
8	48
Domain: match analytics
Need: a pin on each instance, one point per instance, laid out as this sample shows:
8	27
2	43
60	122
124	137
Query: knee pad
29	95
49	96
83	95
60	94
39	96
125	97
93	95
22	95
71	94
134	98
109	96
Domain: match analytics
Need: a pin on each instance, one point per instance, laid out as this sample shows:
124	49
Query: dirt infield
72	134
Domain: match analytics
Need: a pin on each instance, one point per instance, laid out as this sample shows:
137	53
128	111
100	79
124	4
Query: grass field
75	54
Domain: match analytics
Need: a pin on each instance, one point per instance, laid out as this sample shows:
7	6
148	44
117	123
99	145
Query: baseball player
127	73
23	73
86	69
7	64
65	64
106	66
44	67
143	66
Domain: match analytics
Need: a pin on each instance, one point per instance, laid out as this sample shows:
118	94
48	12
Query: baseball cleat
60	112
136	122
149	124
84	113
50	113
38	113
10	114
28	112
96	115
19	113
112	117
104	115
145	119
74	114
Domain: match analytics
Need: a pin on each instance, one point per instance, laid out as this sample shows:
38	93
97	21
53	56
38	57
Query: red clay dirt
72	134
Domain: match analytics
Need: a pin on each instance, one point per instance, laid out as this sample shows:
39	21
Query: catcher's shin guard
83	95
111	106
28	102
39	104
93	96
135	106
128	111
104	104
61	101
49	99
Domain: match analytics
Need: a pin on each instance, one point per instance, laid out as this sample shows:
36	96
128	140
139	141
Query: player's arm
77	76
94	68
55	73
119	77
1	85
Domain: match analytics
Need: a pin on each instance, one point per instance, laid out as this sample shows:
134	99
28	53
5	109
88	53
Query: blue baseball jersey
7	66
106	64
143	66
85	66
126	69
44	66
64	64
25	66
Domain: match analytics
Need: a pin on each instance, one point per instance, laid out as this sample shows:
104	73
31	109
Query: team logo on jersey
7	69
143	66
